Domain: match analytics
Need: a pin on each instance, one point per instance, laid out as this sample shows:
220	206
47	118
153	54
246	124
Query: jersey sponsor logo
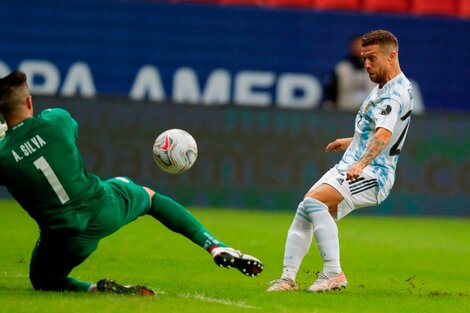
386	110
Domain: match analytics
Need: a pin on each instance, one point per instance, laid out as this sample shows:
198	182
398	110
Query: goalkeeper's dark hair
13	91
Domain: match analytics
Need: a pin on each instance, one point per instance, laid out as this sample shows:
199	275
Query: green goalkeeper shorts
56	253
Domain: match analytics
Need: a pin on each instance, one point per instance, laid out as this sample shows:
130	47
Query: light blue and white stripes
309	206
388	108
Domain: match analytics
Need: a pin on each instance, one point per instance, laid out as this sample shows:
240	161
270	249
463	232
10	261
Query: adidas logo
340	180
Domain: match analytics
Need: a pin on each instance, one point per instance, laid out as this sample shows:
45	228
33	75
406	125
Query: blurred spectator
348	85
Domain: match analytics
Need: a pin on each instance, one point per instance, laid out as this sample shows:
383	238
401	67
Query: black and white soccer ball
175	151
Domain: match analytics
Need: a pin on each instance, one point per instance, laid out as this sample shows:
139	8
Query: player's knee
313	193
300	213
326	195
314	204
318	197
40	282
319	205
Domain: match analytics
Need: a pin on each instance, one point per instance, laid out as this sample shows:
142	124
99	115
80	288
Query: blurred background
259	85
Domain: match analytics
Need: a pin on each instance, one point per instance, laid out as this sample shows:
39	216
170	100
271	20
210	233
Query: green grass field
392	264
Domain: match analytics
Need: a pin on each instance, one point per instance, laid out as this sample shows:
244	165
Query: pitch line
215	300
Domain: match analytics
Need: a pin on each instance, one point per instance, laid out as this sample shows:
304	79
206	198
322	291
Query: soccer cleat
283	284
110	286
228	257
325	283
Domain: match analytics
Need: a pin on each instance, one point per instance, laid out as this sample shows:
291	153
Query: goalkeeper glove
3	129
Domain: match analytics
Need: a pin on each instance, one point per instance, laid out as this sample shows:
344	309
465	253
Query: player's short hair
383	38
13	91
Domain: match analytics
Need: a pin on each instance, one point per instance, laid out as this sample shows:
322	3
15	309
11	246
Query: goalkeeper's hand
3	129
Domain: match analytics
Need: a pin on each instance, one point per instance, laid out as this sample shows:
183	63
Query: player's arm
374	148
339	144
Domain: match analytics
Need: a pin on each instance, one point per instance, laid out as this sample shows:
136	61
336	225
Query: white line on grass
15	275
215	300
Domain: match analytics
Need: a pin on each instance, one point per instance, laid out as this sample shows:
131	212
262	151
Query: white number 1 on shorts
42	165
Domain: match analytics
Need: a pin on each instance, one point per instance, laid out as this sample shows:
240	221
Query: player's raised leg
175	217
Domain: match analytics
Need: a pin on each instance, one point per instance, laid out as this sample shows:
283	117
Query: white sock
326	235
299	239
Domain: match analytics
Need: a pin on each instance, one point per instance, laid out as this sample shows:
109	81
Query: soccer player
43	170
365	174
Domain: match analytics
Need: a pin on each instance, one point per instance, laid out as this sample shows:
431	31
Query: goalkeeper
43	170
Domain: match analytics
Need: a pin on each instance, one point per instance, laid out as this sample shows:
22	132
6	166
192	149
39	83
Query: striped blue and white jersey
389	107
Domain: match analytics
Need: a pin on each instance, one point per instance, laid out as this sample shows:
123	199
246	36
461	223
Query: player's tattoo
373	150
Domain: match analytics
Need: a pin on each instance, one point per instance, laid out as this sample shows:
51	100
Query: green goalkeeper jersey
43	170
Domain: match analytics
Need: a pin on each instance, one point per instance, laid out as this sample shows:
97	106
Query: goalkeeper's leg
175	217
52	261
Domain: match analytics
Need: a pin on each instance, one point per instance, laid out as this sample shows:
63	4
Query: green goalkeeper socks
175	217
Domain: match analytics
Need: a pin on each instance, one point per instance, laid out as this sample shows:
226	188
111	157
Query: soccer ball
175	151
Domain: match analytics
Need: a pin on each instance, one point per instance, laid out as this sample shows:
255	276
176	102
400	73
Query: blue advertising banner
265	158
216	55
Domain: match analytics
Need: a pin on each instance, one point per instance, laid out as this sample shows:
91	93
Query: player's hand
354	171
3	129
339	145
